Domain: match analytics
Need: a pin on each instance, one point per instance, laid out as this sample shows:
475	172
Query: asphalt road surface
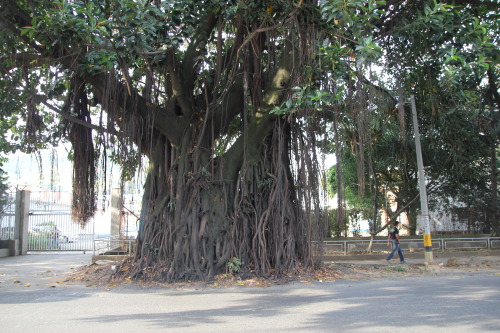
445	303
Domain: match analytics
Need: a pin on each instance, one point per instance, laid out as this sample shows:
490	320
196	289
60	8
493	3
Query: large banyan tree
227	100
191	84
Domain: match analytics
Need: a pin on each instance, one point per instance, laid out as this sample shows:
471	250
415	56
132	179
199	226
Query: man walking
396	245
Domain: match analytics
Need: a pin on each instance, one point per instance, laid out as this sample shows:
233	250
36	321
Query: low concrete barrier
9	247
4	253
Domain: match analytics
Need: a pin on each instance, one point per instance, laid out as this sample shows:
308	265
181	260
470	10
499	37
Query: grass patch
396	268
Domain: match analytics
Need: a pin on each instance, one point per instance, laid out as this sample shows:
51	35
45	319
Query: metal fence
7	221
51	227
411	245
8	217
114	246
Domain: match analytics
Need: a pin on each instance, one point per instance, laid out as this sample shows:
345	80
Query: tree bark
338	171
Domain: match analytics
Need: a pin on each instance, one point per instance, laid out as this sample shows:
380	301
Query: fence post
116	212
21	224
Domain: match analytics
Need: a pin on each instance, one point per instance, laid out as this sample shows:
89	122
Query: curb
438	256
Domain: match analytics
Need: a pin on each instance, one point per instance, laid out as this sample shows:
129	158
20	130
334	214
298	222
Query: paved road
448	303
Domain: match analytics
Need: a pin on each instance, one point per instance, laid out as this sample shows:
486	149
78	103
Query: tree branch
194	49
78	121
291	17
125	96
262	123
395	216
23	59
161	119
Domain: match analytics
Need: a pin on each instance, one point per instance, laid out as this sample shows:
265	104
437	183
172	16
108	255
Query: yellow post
428	247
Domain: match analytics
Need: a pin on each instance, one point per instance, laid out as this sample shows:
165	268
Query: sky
39	170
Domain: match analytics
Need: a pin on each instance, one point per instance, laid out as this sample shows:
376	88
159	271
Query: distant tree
447	57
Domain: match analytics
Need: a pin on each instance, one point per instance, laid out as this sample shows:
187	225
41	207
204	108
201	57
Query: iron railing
411	244
56	231
114	246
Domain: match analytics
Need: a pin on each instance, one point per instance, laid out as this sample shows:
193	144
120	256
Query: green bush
38	240
234	265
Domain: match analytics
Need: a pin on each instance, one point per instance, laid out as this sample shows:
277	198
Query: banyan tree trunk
196	217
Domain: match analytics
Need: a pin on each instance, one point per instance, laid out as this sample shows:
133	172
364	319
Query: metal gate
51	227
8	216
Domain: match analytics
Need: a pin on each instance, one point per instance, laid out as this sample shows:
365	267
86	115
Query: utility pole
423	191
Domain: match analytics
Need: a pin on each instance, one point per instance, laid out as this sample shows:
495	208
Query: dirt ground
102	274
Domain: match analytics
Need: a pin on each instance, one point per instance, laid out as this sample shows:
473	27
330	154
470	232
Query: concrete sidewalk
40	271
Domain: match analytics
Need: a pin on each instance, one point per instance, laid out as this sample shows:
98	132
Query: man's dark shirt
393	232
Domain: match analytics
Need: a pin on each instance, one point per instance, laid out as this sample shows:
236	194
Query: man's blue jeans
396	247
